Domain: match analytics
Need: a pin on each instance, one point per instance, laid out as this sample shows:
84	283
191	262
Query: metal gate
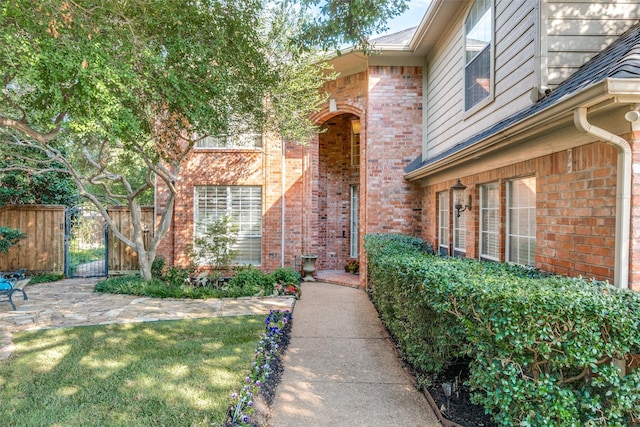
85	248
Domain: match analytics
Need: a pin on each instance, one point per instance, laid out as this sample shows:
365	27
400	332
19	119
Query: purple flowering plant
267	352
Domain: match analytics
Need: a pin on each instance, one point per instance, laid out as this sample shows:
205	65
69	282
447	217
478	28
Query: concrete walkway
341	369
72	302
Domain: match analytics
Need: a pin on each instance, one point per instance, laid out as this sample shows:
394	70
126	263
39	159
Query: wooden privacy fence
123	259
43	248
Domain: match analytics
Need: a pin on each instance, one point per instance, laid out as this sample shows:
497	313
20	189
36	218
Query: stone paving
72	302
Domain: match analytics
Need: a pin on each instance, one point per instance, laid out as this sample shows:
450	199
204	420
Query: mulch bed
458	407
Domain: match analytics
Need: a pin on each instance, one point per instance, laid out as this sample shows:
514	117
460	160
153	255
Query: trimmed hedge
542	347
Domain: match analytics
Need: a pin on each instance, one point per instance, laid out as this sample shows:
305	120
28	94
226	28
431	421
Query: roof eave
619	90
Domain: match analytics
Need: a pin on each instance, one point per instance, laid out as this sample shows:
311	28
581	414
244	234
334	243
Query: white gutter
609	90
623	193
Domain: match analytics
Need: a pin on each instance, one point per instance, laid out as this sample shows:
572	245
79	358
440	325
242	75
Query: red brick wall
274	224
329	174
336	175
575	209
393	140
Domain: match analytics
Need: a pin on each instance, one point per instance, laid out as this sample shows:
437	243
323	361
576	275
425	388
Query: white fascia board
531	125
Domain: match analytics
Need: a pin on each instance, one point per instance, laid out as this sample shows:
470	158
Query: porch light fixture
355	126
458	193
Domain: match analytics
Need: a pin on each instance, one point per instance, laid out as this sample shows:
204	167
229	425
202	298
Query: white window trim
489	99
482	208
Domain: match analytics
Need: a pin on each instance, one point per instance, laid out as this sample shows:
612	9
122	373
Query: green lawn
173	373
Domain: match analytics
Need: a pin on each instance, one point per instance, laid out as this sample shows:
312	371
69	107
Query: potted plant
352	266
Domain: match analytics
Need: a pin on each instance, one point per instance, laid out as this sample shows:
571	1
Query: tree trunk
145	262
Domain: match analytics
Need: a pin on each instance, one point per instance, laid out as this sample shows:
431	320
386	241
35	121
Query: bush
157	267
541	346
251	281
178	283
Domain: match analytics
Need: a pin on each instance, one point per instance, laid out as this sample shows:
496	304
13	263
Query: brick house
531	105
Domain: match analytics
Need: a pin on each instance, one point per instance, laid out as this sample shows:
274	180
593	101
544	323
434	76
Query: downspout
623	193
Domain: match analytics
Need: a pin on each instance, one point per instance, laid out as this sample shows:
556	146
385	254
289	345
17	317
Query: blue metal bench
11	282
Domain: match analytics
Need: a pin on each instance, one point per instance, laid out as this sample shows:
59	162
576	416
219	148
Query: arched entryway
339	156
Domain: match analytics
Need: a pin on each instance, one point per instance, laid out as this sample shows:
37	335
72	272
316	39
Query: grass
45	278
173	373
78	257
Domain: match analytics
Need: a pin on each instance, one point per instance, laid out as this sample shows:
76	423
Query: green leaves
542	346
349	22
9	237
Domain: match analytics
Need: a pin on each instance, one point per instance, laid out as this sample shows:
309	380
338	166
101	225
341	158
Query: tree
21	187
94	87
100	88
348	22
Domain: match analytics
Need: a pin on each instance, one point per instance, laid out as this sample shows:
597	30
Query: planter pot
309	266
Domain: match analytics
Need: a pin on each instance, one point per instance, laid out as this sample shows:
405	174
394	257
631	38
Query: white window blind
238	135
354	222
478	29
521	221
244	205
459	233
490	221
443	222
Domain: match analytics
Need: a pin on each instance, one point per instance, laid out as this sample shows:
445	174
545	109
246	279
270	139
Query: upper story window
238	135
478	41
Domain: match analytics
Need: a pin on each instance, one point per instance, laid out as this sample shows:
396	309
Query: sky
410	18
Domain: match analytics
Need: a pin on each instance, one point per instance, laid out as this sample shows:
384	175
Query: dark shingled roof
620	60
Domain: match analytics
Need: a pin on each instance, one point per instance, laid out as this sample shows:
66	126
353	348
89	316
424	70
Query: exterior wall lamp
355	126
458	194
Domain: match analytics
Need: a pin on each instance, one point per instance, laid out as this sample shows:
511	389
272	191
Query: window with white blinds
521	221
490	221
355	239
443	223
478	29
244	205
238	135
459	233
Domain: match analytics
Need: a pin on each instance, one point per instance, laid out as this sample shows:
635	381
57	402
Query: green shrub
285	276
541	346
155	288
157	267
250	281
177	276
